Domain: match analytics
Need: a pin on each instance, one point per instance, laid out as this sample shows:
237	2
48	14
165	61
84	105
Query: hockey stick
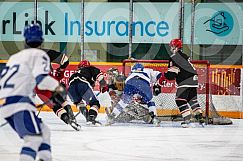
39	106
42	105
3	124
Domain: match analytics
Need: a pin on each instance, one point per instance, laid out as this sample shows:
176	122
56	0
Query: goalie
115	82
138	90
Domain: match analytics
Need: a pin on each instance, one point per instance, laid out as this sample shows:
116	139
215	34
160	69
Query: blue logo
221	23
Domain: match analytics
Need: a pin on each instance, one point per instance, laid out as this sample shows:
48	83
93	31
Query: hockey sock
64	117
183	107
93	112
84	111
69	110
30	147
44	151
195	106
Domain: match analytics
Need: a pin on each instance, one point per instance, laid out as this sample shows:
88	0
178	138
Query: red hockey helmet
176	43
84	63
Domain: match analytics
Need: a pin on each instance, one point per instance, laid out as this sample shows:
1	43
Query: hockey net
165	102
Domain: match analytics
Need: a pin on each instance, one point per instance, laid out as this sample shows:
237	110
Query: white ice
133	142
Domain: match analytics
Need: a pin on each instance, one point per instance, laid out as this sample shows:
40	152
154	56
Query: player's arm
59	73
41	68
173	70
101	79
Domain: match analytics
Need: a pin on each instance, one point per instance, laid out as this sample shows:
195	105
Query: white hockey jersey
18	79
150	75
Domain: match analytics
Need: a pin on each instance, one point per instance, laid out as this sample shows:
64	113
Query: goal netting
165	102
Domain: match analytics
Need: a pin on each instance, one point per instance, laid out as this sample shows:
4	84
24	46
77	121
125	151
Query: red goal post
168	90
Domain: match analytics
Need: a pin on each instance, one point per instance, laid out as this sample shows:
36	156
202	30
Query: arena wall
227	94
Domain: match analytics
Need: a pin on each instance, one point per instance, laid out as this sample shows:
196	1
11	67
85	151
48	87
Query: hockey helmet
83	63
176	43
33	33
137	67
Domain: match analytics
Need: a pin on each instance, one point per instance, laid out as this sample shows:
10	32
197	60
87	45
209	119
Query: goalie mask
112	73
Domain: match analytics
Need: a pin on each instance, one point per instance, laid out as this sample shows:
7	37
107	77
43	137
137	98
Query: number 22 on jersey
6	75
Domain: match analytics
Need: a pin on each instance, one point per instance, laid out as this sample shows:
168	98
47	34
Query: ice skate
69	110
156	121
110	119
75	125
92	122
187	124
200	119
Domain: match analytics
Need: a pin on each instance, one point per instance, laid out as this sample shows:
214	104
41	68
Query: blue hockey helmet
138	67
33	33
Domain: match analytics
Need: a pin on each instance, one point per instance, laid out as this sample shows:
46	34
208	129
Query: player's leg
27	125
194	104
44	151
76	91
181	102
90	98
145	91
61	113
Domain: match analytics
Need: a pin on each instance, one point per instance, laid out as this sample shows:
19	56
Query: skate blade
190	125
97	124
202	124
75	126
109	123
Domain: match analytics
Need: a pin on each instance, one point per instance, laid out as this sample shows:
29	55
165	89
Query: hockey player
80	89
181	69
138	84
25	70
59	105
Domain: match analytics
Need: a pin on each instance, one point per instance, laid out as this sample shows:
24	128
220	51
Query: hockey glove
156	89
162	80
64	62
104	89
59	73
59	95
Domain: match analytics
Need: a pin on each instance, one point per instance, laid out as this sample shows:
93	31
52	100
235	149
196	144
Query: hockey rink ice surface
134	142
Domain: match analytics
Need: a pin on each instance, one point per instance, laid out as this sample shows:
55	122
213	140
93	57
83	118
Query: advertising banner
223	81
215	23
